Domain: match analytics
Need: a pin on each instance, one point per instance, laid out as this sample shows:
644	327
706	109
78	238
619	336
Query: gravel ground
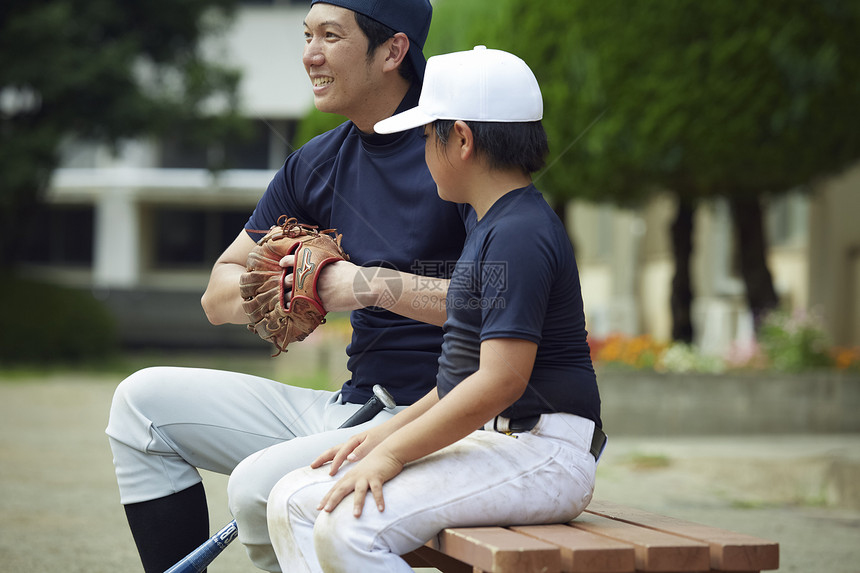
60	508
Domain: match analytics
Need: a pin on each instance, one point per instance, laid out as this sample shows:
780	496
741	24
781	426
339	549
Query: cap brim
402	121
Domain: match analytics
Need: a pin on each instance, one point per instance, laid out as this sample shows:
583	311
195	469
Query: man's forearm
221	302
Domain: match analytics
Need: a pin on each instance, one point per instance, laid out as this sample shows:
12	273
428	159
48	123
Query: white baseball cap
477	85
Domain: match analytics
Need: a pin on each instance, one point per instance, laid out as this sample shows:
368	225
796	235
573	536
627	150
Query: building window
192	237
179	152
252	153
64	237
264	148
787	219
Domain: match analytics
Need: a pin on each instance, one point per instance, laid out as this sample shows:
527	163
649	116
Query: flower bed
786	343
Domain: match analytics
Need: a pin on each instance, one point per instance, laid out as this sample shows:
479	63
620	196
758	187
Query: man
365	62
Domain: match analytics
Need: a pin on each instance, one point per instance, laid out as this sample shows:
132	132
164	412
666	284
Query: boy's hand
370	473
352	450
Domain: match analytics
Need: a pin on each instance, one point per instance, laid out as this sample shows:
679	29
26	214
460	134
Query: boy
515	359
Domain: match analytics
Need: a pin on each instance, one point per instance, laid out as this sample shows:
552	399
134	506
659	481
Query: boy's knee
285	497
328	534
276	509
338	539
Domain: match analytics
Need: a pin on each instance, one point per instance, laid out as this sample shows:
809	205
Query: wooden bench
607	538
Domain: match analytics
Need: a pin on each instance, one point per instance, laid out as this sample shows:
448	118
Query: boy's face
440	165
335	59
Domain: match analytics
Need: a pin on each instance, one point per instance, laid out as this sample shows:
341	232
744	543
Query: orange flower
636	352
847	358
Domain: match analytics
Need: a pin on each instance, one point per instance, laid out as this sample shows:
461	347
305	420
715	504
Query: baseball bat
200	558
380	400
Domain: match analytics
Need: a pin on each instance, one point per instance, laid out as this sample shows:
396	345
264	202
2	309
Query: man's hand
370	473
335	287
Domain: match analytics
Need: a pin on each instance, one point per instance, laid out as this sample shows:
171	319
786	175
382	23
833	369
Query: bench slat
654	550
498	550
729	551
429	556
584	552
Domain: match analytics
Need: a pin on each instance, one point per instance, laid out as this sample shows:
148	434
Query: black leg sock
167	529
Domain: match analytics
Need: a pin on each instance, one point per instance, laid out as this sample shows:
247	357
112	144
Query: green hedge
47	324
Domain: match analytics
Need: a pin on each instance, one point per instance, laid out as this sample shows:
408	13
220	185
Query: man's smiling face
335	58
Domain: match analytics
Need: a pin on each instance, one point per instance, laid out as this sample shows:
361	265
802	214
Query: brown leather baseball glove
270	315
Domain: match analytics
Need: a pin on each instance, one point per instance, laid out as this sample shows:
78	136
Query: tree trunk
559	206
752	256
682	292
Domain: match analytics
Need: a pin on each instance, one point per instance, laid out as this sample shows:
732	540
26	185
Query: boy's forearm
413	296
415	410
465	409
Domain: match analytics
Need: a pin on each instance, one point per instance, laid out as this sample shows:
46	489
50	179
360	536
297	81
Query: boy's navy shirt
517	278
378	192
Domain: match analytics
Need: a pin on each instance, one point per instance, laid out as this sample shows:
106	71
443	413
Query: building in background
626	264
142	227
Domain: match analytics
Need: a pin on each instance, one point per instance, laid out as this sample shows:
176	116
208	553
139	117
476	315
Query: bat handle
380	400
200	558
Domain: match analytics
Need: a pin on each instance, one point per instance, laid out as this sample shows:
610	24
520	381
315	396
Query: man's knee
137	392
136	401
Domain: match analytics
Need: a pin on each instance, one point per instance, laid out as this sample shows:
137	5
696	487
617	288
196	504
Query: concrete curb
642	403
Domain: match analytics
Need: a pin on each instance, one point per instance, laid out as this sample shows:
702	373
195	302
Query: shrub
795	342
50	324
681	357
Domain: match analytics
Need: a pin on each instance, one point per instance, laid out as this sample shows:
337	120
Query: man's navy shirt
377	191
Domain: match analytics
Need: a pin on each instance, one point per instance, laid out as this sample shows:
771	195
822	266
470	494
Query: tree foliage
100	70
725	98
701	97
314	123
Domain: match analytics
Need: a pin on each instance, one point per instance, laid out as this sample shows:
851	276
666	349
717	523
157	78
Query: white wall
266	43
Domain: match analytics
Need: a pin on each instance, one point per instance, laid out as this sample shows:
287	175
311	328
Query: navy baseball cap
412	17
